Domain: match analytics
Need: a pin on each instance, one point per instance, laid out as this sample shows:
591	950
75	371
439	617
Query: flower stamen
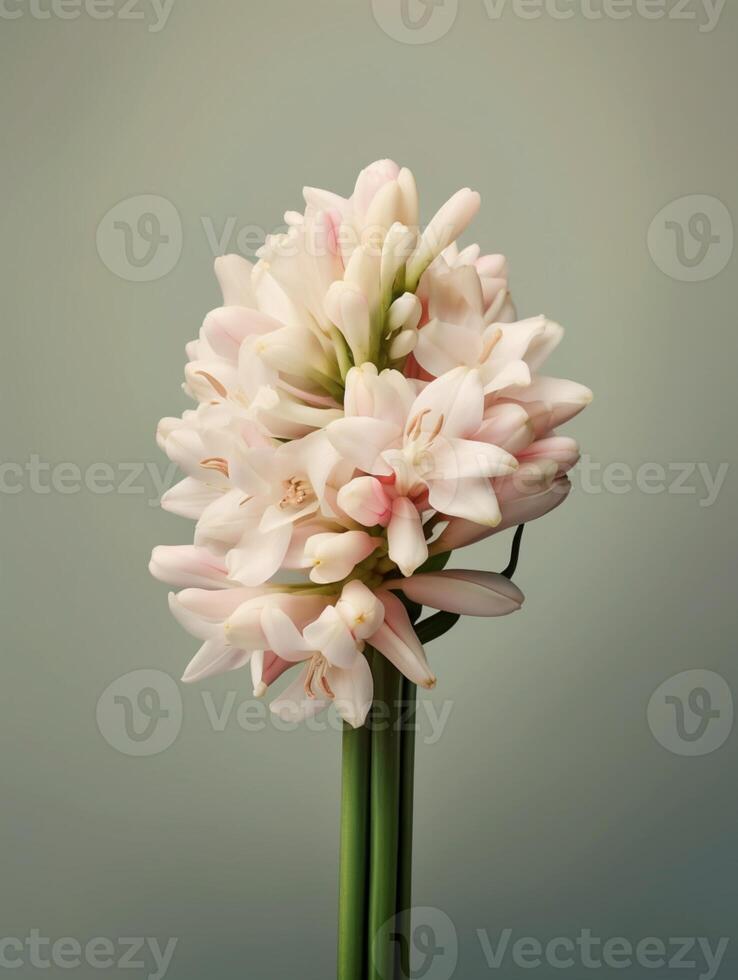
316	672
216	463
297	492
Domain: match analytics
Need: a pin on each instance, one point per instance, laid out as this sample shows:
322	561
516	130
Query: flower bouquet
367	403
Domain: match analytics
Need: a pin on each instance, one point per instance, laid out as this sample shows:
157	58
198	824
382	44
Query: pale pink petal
258	555
215	656
234	275
362	440
274	667
202	611
565	398
470	593
472	499
442	347
561	449
369	182
332	556
244	626
189	498
460	533
365	501
456	396
407	545
531	477
445	227
330	636
294	705
215	604
459	459
186	566
222	523
360	609
354	691
282	636
386	395
226	328
507	426
397	641
455	296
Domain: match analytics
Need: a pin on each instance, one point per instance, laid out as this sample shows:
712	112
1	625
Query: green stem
343	354
384	833
405	849
354	865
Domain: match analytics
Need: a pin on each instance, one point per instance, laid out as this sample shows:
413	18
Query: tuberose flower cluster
367	401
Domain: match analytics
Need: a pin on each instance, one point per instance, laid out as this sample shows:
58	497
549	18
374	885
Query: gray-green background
547	805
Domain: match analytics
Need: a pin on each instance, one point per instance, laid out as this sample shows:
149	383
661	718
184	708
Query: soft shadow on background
547	804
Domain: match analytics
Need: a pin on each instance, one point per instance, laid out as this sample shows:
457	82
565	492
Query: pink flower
331	647
422	452
365	397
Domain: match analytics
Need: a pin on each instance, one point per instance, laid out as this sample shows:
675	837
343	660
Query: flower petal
215	656
469	593
472	499
186	566
258	555
282	636
407	545
397	641
361	441
330	636
365	501
294	705
458	397
354	691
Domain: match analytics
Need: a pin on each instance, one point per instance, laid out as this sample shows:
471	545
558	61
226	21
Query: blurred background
576	762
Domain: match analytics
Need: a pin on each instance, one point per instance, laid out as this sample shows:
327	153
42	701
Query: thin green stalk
354	866
405	848
385	807
343	353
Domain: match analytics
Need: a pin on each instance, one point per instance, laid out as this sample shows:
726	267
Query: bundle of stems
375	885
